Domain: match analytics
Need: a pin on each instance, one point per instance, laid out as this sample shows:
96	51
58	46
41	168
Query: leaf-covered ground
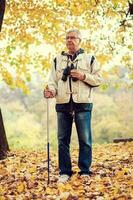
23	176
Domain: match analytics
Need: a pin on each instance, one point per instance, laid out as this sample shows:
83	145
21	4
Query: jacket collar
80	51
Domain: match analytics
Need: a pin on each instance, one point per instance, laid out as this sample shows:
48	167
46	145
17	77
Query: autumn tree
30	26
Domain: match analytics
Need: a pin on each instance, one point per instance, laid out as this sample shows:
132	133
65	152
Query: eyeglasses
71	38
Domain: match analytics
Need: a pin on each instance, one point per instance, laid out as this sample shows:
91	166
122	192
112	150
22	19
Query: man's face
72	41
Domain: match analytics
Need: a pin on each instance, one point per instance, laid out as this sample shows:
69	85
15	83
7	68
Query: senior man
71	80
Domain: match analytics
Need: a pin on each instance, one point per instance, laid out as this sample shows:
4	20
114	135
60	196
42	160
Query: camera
66	73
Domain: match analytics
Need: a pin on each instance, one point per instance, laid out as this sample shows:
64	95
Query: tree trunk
4	148
123	140
2	10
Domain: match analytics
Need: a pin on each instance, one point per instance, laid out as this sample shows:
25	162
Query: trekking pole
48	145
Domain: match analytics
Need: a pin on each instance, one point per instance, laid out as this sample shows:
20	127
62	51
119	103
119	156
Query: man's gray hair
76	31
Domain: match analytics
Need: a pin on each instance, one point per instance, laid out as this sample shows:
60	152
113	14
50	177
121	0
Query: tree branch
129	12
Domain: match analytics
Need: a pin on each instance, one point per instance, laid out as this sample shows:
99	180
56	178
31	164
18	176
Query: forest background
33	33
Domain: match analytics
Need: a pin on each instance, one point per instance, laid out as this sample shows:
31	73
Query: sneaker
85	175
63	178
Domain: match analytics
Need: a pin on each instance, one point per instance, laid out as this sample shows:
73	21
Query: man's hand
48	93
77	74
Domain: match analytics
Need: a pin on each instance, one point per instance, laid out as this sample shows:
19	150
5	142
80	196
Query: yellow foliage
102	58
111	178
7	77
28	24
111	13
126	58
60	1
121	3
21	84
20	187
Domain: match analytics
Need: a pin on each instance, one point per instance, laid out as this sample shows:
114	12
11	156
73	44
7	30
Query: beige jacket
81	90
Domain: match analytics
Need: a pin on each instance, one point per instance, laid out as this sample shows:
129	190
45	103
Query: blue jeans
83	126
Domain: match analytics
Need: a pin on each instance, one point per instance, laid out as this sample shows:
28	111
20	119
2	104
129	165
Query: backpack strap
92	60
57	58
55	63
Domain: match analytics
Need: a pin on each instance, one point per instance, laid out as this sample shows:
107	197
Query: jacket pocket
62	90
59	74
84	92
85	68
